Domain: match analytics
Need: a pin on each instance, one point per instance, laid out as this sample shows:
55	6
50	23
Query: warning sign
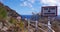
50	11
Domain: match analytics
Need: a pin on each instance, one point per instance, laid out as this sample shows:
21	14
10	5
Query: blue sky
26	7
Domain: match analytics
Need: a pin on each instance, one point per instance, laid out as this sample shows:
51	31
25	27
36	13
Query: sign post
49	11
49	25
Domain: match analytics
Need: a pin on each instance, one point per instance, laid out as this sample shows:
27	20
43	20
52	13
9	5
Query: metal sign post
49	11
49	25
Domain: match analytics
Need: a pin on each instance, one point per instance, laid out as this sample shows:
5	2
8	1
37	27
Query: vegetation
19	25
3	13
15	25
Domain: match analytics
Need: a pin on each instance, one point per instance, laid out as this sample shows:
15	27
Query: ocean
26	16
32	17
29	16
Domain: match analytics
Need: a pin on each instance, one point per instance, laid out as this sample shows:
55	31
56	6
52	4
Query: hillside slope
8	20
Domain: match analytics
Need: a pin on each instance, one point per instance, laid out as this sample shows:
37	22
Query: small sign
50	11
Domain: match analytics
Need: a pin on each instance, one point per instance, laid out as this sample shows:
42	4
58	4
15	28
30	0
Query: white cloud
32	1
24	4
51	3
27	4
30	5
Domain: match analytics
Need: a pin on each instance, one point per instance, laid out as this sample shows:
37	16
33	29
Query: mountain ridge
10	11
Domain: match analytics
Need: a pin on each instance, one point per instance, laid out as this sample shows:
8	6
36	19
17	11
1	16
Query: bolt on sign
50	11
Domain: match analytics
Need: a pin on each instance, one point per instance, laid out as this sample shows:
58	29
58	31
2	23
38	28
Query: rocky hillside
10	12
9	21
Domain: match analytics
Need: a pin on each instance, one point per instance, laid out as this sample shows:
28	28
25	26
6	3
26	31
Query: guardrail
40	24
